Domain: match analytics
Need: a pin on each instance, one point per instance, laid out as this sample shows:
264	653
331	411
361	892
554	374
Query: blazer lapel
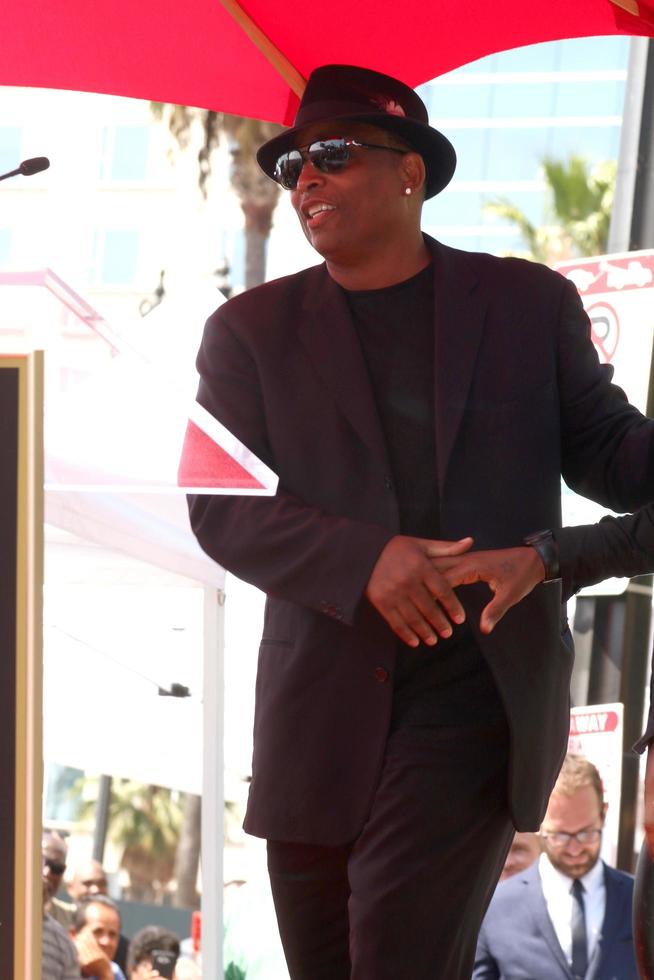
536	904
459	311
329	338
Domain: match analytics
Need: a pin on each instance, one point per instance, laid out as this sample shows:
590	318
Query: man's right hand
414	598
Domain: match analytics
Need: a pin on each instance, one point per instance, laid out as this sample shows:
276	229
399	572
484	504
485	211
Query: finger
495	610
400	627
441	549
433	613
460	571
438	587
419	615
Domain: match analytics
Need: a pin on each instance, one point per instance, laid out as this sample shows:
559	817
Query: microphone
28	167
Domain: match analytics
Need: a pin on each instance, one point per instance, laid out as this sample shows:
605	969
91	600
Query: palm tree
579	206
258	195
145	821
187	858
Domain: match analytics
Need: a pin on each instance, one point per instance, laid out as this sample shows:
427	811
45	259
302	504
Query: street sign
618	294
596	732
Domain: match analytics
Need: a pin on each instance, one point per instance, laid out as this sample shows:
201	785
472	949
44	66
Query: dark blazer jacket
519	399
517	939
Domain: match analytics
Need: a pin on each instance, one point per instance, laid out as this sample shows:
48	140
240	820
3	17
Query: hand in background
510	573
409	591
145	972
93	962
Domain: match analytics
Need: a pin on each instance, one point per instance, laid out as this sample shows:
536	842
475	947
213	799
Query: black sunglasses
328	156
56	867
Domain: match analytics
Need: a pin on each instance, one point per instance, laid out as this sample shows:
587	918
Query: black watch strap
545	544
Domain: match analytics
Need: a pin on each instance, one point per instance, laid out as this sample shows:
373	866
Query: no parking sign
596	732
618	294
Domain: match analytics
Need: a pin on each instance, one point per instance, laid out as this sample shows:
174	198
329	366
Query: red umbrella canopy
251	59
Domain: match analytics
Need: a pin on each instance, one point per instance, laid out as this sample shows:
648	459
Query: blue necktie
579	938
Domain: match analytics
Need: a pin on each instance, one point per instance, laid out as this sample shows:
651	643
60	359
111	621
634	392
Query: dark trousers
406	899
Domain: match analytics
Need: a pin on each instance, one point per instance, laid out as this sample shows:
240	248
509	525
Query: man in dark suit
568	916
411	398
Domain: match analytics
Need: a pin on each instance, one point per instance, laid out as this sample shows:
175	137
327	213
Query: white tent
150	615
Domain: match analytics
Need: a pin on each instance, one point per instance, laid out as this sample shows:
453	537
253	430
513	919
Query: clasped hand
412	584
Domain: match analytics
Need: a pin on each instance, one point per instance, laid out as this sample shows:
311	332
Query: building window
125	153
605	53
505	113
62	793
115	257
10	148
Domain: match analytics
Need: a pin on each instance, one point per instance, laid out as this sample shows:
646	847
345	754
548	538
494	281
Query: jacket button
381	674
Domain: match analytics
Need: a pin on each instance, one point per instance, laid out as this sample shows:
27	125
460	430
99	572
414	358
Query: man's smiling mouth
316	209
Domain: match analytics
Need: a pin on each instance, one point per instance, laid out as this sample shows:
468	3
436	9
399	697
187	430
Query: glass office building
505	113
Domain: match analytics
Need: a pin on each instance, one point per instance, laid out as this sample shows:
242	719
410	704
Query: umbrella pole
279	61
213	797
631	6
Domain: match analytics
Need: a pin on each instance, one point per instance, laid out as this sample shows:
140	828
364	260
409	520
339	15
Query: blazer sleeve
620	547
486	968
281	544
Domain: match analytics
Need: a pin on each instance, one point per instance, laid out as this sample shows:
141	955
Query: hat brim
435	148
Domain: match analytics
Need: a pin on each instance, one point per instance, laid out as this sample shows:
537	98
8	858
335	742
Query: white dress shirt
558	899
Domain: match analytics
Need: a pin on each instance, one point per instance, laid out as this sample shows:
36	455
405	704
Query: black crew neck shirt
450	683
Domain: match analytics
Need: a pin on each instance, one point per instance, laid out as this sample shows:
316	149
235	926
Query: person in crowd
95	932
416	402
59	960
143	947
524	850
54	854
90	879
568	915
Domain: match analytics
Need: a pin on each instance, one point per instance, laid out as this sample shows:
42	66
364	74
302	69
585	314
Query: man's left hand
510	573
93	962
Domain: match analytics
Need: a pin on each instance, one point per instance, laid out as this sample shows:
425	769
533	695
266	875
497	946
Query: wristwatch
545	544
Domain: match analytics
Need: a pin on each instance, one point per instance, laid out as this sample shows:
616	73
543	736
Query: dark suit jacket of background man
517	939
519	398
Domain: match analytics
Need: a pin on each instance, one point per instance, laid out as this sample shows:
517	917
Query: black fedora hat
339	92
